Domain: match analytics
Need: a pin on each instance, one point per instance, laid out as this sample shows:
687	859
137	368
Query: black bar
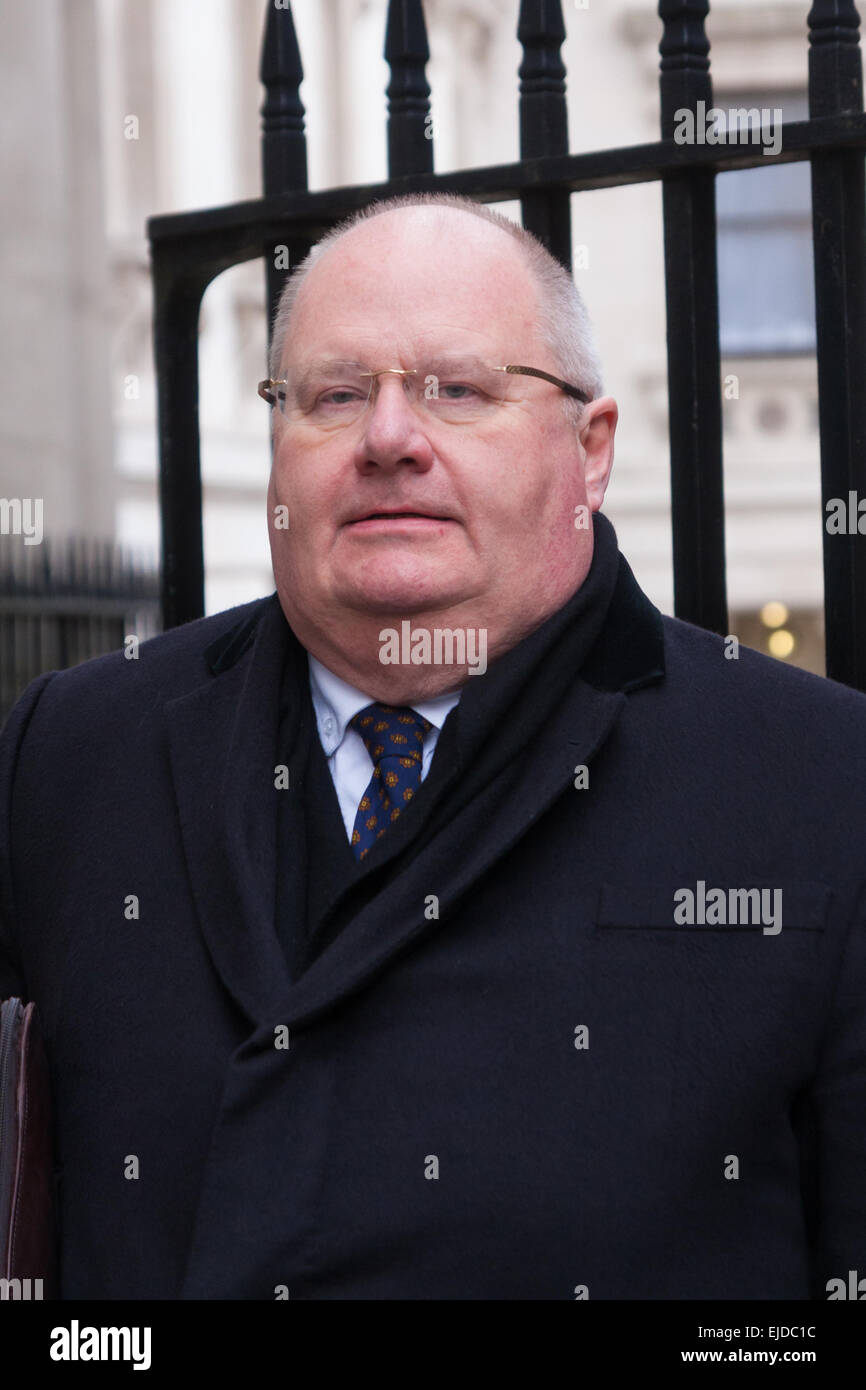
839	237
177	301
694	365
284	143
225	1335
259	219
544	119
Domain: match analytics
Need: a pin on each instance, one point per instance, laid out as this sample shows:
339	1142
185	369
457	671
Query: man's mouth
397	516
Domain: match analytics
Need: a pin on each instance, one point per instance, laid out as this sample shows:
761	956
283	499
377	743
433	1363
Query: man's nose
394	432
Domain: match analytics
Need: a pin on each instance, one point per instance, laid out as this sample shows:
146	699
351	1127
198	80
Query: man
448	924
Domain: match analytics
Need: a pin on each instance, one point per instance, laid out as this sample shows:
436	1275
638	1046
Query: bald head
414	276
478	232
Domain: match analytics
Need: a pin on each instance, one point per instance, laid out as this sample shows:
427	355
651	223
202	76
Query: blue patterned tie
394	738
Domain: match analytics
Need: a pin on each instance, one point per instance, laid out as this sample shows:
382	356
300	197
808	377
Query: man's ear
596	431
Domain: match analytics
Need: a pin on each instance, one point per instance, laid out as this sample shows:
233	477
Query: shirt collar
336	702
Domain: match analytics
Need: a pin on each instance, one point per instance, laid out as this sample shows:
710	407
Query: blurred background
115	110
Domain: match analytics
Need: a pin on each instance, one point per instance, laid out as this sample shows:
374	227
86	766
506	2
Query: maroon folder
28	1241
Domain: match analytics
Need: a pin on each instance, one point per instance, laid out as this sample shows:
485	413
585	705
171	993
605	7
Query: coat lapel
392	919
222	739
367	924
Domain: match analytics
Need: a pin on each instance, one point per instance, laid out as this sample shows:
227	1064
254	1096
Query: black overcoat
512	1071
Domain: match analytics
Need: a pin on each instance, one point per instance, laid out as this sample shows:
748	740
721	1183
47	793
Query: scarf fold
497	716
500	712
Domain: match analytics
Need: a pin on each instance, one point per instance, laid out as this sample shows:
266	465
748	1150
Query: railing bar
316	210
177	307
694	365
839	244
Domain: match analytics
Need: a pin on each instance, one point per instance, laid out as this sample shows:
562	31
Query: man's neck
400	659
406	660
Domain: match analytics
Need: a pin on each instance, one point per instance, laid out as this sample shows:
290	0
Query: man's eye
459	391
339	395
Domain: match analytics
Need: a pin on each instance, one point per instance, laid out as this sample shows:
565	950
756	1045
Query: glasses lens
461	389
327	393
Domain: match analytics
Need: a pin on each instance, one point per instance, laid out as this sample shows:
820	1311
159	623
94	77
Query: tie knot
392	731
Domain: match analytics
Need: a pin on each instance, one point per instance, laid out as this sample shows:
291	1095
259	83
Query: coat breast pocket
743	956
742	979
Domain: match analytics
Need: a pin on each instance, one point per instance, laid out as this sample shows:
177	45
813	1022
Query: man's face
491	541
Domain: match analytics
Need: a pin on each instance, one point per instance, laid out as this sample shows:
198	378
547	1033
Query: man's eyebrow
333	360
304	371
425	357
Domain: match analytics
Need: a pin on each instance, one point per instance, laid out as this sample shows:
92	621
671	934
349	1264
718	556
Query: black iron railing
191	249
63	602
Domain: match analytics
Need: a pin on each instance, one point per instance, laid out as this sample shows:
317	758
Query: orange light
781	642
774	614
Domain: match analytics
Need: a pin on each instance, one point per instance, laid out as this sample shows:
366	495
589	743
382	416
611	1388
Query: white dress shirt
335	703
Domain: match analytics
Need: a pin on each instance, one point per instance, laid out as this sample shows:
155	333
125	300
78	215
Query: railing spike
685	59
543	114
284	145
410	135
835	65
544	118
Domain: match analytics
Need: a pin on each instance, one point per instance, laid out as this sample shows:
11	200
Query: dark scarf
498	714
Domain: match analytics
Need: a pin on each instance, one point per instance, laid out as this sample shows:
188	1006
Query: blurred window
764	219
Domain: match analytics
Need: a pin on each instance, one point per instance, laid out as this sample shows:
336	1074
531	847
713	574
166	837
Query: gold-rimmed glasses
454	388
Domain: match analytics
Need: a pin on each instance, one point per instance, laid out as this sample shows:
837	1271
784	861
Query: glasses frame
267	389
